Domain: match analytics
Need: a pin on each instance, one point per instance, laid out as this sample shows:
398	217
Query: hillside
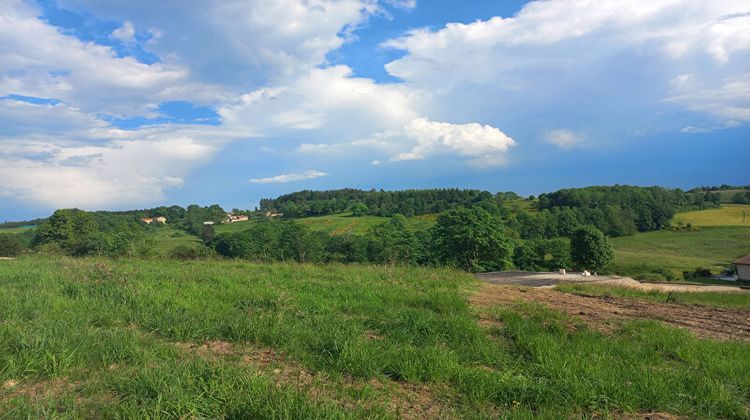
130	338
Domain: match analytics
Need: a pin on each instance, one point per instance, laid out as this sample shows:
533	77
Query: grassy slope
341	223
727	215
15	230
711	299
97	338
168	238
712	247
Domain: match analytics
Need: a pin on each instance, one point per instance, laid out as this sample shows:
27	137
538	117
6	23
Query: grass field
727	215
16	230
169	238
128	338
710	299
341	223
711	247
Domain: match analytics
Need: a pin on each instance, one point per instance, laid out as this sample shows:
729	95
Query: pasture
727	215
103	338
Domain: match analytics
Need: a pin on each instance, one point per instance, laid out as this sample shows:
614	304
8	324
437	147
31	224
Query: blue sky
119	105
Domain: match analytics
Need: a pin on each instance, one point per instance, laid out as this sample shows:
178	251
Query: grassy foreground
100	338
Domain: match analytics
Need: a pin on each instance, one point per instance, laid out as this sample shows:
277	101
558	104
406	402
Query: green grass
710	299
16	230
98	336
727	215
340	223
168	238
712	247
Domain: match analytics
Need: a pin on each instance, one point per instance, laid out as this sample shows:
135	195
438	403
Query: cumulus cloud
278	179
123	172
257	42
420	139
328	103
564	139
553	51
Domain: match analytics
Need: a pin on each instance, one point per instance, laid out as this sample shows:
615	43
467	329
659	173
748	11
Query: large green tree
590	249
472	239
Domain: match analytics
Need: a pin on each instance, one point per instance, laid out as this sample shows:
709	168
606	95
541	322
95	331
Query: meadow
16	230
341	223
727	215
101	338
713	247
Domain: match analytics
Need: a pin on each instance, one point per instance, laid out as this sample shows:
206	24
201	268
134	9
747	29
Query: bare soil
599	311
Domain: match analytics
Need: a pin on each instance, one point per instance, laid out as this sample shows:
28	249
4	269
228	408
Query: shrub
10	245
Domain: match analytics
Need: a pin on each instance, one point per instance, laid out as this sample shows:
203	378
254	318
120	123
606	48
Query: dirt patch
598	311
407	400
39	389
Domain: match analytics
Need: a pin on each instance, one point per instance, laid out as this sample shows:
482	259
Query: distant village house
234	218
274	214
149	220
743	268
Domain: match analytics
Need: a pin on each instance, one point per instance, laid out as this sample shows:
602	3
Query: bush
10	245
702	272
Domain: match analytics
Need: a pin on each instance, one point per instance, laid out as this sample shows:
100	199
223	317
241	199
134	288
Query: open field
169	238
711	247
340	223
727	215
130	338
16	230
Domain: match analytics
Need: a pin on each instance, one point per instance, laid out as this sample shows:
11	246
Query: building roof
744	260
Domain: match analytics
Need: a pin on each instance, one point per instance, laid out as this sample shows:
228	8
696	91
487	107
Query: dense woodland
475	230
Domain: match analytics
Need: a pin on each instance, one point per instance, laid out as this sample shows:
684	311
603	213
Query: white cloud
324	103
564	139
125	33
420	139
278	179
552	51
482	145
241	44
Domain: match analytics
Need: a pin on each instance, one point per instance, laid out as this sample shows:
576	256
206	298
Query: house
274	214
743	268
149	220
234	218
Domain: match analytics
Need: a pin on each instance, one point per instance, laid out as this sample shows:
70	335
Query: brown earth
598	311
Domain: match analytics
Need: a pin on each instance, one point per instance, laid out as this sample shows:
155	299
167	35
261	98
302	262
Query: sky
135	104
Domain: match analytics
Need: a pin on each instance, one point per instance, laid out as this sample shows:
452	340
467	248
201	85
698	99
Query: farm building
234	218
149	220
274	214
743	268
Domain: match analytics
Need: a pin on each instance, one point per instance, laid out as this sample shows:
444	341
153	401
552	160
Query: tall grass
103	331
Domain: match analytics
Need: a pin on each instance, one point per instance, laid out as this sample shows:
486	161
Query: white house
234	218
743	268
